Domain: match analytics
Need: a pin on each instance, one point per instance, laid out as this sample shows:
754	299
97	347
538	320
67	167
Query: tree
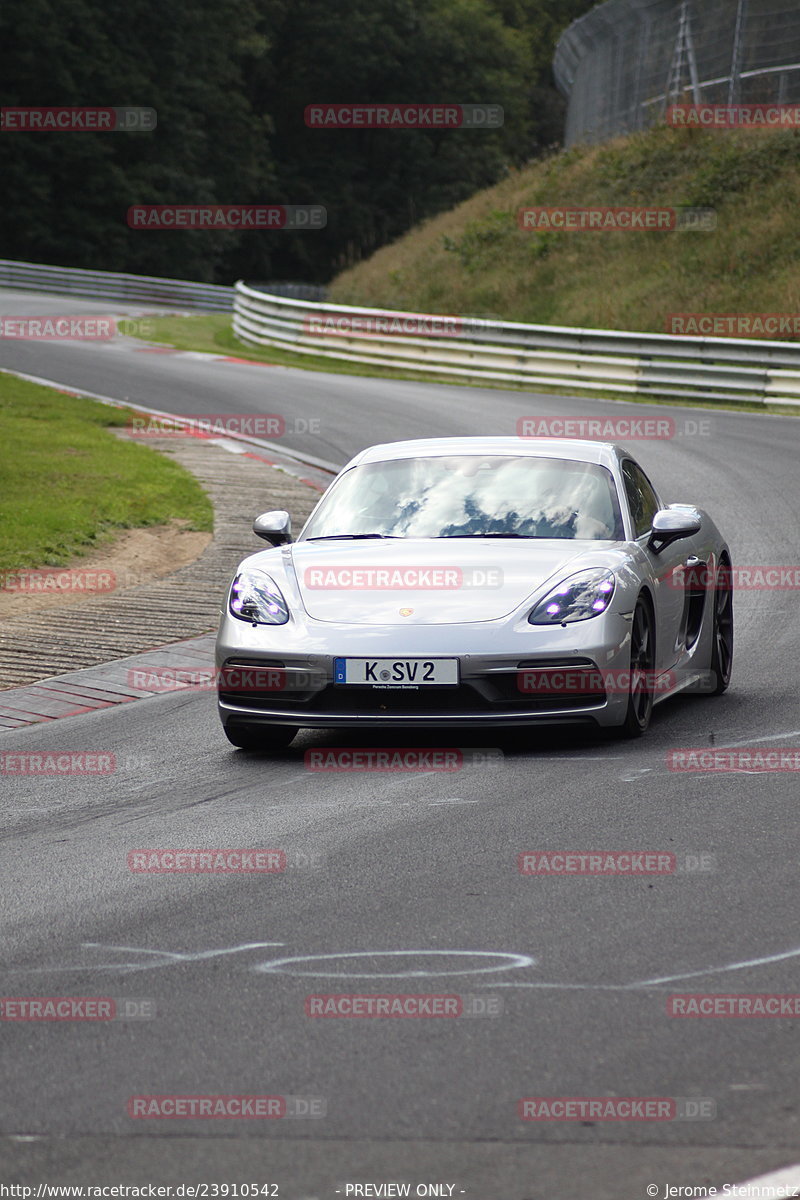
230	80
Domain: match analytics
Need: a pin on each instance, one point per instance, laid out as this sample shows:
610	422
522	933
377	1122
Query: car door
672	597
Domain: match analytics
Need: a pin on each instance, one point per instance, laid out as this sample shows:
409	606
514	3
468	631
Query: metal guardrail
644	364
653	364
297	291
111	285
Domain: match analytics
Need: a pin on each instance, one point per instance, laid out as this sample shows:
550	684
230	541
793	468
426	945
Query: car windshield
471	496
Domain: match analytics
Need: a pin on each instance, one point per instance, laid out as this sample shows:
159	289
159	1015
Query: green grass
474	260
68	484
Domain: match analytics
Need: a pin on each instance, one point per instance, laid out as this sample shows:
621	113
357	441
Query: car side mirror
671	524
274	527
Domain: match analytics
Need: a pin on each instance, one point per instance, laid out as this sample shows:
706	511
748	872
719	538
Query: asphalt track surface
408	883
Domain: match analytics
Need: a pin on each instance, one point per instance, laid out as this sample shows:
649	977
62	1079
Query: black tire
722	631
259	737
640	696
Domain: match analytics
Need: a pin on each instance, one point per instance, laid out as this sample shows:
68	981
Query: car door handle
692	561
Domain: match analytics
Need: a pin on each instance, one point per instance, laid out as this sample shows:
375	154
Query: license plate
397	672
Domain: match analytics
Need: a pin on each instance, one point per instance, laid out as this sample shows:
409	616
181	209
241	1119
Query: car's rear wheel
722	631
259	737
640	694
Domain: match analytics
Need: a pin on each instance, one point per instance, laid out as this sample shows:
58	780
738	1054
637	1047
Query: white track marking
655	984
284	966
566	987
773	737
279	965
449	800
784	1178
227	444
164	958
737	966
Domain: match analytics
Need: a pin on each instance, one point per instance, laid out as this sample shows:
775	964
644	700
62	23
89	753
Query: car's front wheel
640	693
259	737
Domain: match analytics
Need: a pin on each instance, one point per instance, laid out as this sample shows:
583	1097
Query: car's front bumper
490	691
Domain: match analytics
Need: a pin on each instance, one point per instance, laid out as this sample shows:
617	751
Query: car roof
606	454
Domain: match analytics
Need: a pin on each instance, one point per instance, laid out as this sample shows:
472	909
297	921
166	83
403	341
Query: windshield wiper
351	537
492	535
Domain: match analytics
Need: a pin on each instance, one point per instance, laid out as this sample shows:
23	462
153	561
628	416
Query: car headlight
585	594
256	597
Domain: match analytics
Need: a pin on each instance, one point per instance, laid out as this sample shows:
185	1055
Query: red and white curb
106	685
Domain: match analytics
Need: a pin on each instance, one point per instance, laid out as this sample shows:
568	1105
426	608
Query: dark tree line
230	80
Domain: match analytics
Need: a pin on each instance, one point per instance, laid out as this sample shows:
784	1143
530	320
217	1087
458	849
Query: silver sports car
473	582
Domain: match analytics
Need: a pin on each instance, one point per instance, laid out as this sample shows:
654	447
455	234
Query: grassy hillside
475	260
